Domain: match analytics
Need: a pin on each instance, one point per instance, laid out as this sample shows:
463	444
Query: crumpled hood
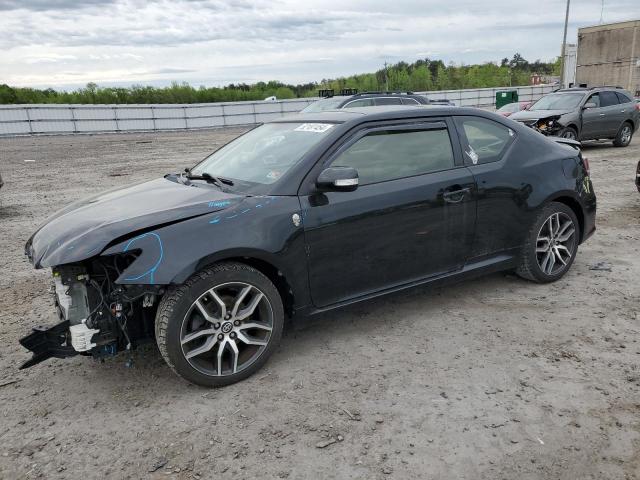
530	115
84	228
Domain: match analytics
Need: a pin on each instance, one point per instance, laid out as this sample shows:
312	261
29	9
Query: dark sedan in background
372	99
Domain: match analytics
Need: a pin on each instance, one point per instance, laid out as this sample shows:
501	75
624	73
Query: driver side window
384	155
595	98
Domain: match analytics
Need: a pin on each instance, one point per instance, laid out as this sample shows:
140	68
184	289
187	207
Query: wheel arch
264	262
575	206
631	122
574	126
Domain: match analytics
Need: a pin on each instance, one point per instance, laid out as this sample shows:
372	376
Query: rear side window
484	140
622	98
410	101
391	154
607	99
388	101
364	102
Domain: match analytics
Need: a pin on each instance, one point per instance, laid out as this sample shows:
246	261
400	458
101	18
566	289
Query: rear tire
624	135
221	325
551	244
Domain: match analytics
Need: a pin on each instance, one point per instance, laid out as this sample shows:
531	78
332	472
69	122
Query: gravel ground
495	378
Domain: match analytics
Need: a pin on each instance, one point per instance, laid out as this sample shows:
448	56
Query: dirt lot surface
495	378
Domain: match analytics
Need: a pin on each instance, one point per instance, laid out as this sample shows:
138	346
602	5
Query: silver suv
585	114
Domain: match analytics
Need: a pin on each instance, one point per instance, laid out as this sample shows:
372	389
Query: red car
514	107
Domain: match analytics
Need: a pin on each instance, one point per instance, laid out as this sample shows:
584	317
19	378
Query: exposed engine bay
548	125
97	316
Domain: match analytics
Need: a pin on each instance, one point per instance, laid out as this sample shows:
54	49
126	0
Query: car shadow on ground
145	364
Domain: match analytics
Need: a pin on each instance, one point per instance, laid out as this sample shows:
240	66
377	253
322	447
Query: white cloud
212	42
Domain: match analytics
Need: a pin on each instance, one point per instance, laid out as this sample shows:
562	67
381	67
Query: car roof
588	89
375	113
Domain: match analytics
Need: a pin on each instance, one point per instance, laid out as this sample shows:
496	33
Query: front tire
221	325
569	133
624	135
551	244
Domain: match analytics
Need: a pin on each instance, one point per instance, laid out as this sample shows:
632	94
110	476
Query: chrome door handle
601	114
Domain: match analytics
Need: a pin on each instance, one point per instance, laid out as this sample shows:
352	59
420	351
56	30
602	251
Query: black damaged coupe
302	215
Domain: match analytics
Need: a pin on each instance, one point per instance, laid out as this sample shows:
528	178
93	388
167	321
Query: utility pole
386	77
564	45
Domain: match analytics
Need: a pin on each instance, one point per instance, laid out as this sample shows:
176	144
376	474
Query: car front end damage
551	126
97	316
106	265
547	122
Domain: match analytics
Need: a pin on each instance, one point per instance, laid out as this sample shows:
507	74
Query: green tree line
418	76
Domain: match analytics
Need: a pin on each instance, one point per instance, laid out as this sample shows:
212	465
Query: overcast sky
66	43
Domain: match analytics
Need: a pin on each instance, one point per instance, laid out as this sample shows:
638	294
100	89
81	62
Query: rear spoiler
566	141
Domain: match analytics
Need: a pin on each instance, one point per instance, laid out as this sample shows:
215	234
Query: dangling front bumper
48	342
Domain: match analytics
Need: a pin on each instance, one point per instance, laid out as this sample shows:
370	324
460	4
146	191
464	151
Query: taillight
585	161
637	105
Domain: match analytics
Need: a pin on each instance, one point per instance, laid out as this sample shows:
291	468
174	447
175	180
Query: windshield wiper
209	178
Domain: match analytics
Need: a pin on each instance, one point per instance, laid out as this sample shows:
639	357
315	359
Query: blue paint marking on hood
85	228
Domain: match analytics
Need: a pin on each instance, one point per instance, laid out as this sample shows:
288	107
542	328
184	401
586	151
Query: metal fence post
73	119
26	111
115	116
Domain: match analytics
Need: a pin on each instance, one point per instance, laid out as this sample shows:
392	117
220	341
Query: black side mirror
339	179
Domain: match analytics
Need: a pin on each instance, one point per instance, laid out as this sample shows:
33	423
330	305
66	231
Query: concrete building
569	64
610	55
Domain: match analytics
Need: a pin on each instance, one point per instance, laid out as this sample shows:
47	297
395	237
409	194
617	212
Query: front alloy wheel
221	325
551	244
226	329
569	133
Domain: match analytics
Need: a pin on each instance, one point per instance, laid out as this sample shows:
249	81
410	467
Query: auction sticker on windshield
314	127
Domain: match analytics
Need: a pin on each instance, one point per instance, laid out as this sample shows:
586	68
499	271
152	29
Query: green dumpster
505	97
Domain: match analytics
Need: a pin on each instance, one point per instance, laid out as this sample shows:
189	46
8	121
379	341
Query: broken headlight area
548	126
97	316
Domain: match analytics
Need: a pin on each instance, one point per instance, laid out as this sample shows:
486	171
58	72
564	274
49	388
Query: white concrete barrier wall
65	119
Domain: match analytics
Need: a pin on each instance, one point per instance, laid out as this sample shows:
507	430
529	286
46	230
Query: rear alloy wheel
221	325
623	138
569	133
551	245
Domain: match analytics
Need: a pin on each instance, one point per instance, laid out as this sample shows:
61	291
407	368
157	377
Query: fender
170	254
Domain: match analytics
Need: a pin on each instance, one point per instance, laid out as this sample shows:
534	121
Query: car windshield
264	154
322	105
558	101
